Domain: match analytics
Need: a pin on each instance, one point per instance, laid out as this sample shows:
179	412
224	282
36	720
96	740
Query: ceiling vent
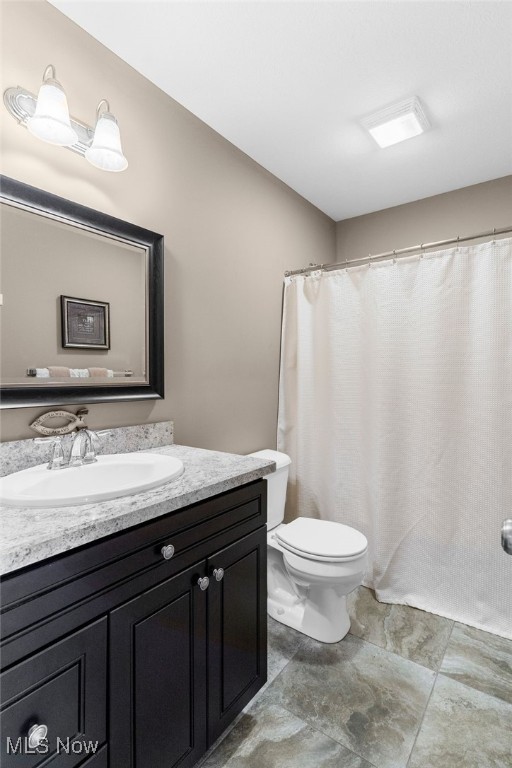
397	122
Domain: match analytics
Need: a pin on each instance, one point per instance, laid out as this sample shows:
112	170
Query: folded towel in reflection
61	372
105	373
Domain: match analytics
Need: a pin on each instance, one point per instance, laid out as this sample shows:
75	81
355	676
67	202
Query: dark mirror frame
41	202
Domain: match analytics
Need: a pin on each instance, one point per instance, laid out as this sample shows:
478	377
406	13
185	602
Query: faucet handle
102	433
57	454
97	435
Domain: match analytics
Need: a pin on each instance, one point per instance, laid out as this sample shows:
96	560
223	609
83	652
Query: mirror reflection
74	304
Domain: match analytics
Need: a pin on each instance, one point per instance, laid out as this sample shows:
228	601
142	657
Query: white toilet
312	564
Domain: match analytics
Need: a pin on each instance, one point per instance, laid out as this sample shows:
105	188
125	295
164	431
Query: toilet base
322	615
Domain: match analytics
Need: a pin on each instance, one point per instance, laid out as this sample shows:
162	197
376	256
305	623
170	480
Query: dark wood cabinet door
237	629
158	671
61	689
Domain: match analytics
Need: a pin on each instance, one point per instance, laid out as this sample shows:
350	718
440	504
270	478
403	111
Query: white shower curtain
396	410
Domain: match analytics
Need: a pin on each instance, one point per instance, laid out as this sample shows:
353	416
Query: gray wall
231	230
42	260
461	212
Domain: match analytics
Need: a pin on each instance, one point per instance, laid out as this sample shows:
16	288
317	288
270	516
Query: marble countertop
32	534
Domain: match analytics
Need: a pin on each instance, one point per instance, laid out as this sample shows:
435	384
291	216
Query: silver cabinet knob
203	583
167	551
218	573
36	735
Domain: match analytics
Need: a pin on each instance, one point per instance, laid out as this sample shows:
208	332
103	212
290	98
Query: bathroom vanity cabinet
148	642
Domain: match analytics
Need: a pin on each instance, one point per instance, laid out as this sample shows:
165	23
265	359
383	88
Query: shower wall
461	212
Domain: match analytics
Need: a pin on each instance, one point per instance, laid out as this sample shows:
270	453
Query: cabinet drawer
95	577
63	689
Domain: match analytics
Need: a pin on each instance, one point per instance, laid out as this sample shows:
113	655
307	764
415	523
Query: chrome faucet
83	448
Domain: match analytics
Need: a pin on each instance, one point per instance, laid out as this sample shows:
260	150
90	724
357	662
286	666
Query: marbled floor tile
368	699
416	635
271	737
463	728
367	616
481	660
283	643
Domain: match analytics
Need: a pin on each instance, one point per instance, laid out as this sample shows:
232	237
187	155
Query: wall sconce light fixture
47	117
105	151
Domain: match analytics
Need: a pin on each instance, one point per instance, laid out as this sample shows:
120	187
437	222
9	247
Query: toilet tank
276	485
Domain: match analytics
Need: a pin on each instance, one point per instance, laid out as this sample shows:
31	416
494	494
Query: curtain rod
398	252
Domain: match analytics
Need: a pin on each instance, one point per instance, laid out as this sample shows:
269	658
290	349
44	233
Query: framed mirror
82	307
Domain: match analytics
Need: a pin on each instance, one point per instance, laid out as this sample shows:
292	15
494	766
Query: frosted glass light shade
50	121
105	151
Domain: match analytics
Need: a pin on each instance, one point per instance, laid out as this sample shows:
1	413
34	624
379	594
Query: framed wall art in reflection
85	323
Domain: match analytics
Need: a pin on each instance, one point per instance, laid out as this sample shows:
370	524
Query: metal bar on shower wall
399	252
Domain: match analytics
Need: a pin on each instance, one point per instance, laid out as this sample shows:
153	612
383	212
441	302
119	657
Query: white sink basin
111	476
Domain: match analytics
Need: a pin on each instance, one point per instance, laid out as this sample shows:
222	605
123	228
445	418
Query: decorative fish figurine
74	420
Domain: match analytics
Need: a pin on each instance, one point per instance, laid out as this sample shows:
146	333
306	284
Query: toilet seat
321	540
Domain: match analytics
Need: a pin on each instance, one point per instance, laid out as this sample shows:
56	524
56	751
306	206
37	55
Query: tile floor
405	689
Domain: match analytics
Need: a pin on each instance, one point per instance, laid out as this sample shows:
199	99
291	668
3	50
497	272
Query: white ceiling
287	83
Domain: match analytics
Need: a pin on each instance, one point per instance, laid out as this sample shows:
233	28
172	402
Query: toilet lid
321	538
